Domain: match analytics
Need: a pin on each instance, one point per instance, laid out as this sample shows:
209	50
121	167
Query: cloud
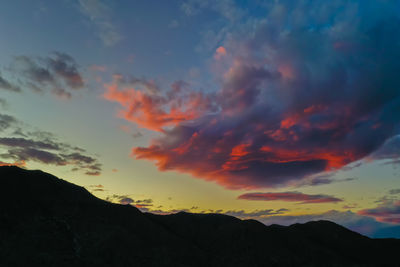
43	147
394	191
64	66
6	121
220	52
20	164
173	24
93	173
22	142
57	73
257	214
306	92
6	85
152	109
3	103
230	16
25	154
326	178
388	212
226	8
349	207
98	68
242	214
127	200
389	150
97	188
291	197
32	70
137	134
144	201
100	15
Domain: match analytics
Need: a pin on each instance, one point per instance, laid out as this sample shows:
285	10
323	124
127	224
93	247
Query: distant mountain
45	221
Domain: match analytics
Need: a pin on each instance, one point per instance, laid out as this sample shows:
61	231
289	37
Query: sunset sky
280	111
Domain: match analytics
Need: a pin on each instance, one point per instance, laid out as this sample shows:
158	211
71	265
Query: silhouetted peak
46	221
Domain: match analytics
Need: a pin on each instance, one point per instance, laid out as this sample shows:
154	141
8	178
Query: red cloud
254	154
387	212
153	110
286	109
291	197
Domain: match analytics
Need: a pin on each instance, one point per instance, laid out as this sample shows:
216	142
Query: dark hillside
45	221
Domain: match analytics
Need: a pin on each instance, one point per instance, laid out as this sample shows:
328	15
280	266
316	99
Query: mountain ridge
46	221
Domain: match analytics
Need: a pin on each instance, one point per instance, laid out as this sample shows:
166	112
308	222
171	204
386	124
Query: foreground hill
45	221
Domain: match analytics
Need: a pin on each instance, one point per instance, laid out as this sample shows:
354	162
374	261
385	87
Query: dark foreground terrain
45	221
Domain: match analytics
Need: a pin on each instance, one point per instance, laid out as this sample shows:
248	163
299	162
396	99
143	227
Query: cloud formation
64	66
256	214
152	108
227	8
305	92
291	197
394	191
388	212
242	214
389	150
43	147
57	73
6	121
127	200
100	15
96	188
6	85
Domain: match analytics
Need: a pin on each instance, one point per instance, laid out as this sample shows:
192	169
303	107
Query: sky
280	111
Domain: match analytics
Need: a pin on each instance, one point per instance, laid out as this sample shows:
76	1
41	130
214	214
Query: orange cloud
153	110
17	163
220	52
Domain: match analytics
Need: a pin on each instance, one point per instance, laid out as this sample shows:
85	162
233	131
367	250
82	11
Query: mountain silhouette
46	221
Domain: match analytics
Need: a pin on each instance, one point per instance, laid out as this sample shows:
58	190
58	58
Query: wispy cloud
100	15
42	147
97	188
3	103
394	191
226	8
6	85
57	73
290	197
256	214
128	200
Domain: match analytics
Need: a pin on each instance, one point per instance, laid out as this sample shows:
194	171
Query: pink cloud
387	212
290	197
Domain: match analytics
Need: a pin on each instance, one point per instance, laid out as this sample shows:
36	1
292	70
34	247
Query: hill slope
45	221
